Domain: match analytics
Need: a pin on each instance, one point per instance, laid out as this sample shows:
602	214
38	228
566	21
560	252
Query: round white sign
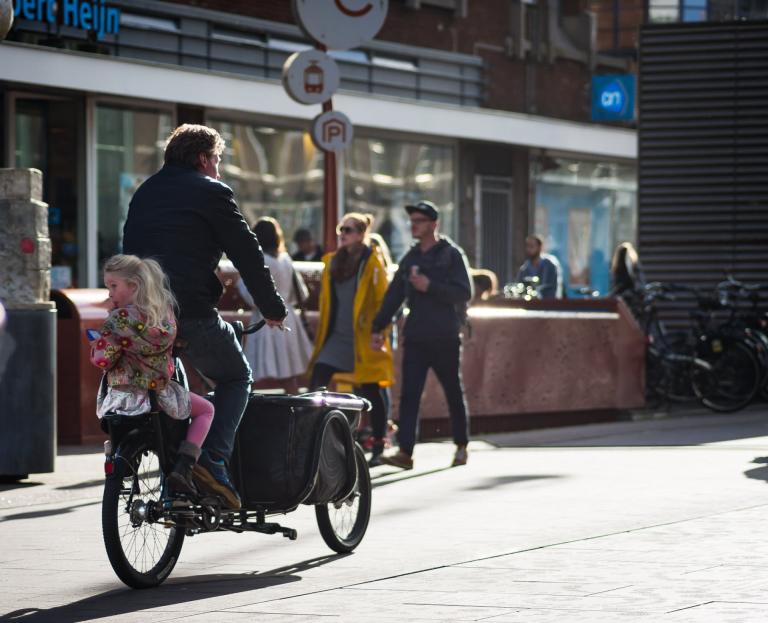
310	77
6	17
341	24
332	131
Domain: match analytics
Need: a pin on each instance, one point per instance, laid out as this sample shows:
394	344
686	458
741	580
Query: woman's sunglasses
346	230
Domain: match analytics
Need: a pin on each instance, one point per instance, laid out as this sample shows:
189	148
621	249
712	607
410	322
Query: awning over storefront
37	66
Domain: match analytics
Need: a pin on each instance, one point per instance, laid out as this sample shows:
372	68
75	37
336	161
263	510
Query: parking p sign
613	98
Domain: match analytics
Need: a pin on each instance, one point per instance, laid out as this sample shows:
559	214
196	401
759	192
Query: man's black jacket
186	220
438	313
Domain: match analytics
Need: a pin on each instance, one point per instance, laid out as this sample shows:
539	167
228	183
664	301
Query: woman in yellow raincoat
353	286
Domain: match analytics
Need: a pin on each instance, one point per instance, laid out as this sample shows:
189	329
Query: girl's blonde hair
153	293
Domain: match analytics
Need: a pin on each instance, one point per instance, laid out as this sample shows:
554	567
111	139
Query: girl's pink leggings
202	416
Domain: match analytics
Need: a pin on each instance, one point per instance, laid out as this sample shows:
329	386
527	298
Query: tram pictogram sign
310	77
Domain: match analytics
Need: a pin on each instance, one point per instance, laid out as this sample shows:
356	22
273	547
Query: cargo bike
289	450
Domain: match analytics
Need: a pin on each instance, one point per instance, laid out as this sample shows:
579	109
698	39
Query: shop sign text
95	15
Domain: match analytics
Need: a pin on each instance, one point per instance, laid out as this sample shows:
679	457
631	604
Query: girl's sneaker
180	479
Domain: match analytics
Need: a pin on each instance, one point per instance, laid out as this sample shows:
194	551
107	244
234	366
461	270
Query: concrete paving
651	520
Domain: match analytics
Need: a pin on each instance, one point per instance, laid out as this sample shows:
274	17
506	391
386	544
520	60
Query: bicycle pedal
210	500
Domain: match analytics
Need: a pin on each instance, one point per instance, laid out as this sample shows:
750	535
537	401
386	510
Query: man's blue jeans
212	349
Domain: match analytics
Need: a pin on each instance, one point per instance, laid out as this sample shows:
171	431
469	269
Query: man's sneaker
460	458
399	459
180	479
211	477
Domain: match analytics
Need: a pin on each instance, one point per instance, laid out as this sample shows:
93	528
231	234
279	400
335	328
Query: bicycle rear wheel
730	379
142	551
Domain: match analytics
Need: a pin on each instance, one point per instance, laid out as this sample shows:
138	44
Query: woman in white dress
278	355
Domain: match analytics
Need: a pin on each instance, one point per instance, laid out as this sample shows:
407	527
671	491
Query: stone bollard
28	384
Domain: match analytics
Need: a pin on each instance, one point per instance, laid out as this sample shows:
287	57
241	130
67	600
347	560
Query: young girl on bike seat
134	350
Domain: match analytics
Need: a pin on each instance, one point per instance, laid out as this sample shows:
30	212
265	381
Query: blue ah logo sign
613	98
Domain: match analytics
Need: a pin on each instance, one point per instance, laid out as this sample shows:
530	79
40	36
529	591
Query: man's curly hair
188	141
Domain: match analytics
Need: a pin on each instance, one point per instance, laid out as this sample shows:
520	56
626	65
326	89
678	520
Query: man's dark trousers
212	348
444	357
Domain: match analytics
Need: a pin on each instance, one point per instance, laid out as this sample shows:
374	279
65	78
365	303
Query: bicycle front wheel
730	377
343	524
141	550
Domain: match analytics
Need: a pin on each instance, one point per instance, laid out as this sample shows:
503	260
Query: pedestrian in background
306	249
353	285
626	272
279	355
433	278
627	278
544	266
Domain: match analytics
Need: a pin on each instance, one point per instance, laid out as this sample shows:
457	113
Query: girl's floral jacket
132	353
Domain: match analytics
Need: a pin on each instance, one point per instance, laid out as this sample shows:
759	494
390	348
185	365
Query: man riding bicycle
186	219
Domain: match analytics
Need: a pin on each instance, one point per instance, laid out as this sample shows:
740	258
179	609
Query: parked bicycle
709	362
289	450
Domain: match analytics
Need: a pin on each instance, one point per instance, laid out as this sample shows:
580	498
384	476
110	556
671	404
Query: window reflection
583	210
129	148
278	172
274	172
383	175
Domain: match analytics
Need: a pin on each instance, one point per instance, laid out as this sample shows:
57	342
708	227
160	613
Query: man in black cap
433	277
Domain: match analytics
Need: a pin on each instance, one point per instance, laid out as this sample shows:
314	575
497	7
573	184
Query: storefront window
383	175
274	172
278	172
129	148
583	210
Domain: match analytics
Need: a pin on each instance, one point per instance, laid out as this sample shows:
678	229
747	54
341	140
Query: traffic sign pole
330	194
309	78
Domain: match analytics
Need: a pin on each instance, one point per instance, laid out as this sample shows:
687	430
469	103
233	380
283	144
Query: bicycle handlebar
241	329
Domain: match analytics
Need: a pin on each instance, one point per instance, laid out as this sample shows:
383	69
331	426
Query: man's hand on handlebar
277	324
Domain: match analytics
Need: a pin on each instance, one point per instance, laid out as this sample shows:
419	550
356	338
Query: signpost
312	77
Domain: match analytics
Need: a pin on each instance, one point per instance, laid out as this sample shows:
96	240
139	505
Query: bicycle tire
142	555
355	514
732	379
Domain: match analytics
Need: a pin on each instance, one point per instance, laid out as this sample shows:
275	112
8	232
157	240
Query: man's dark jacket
440	312
186	220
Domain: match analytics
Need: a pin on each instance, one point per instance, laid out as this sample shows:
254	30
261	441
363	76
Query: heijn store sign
95	16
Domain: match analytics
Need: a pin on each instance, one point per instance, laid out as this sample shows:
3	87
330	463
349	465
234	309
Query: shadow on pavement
8	484
47	513
174	592
389	477
759	473
681	430
501	481
97	482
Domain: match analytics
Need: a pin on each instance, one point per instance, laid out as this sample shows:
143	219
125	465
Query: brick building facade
483	107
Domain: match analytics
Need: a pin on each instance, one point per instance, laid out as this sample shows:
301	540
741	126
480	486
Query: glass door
46	136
